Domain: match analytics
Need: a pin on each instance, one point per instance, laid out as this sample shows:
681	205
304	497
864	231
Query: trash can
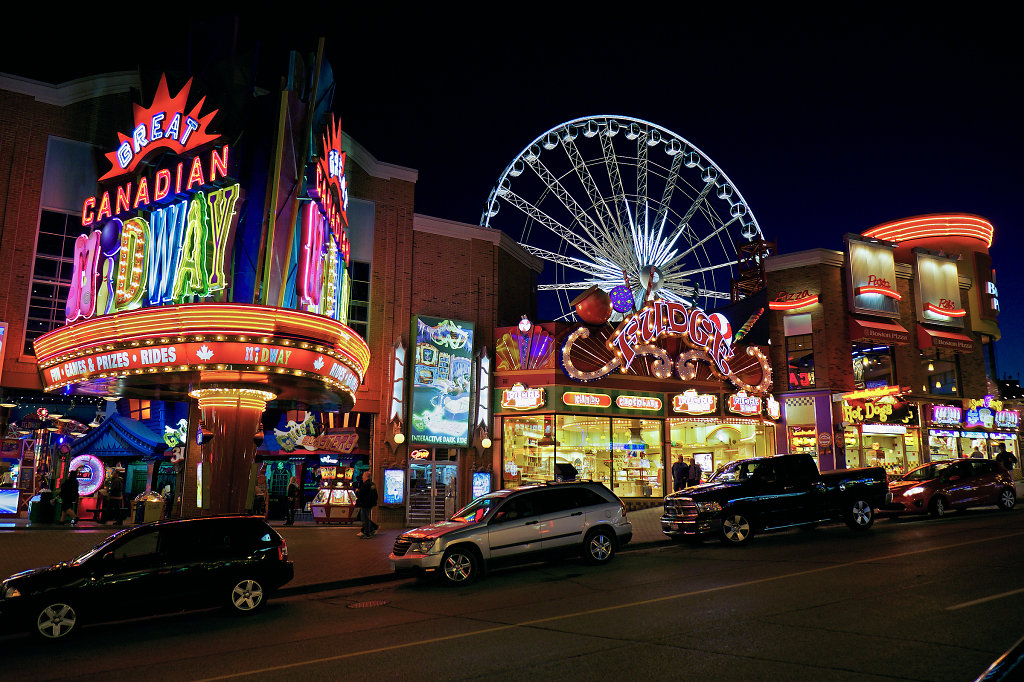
40	508
148	507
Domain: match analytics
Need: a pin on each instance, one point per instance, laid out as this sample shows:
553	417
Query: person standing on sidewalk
112	500
366	500
69	498
291	499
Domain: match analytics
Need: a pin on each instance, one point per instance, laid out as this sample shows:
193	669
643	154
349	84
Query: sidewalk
326	557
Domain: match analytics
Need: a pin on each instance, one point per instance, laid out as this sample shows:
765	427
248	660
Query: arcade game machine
335	501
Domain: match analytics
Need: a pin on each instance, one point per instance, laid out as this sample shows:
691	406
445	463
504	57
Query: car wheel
860	515
736	530
1007	499
599	546
459	566
246	596
55	621
937	507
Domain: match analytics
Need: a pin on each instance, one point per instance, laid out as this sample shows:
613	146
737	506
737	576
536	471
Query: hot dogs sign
709	338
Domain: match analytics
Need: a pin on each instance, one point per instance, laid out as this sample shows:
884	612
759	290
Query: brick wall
25	126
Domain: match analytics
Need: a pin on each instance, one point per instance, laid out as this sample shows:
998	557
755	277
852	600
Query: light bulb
399	438
931	367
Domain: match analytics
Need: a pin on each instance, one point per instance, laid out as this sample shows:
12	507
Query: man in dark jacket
1006	458
366	500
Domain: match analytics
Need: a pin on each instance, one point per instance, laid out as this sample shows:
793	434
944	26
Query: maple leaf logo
204	353
319	363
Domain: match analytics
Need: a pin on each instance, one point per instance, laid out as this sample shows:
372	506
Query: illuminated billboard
871	277
442	381
938	289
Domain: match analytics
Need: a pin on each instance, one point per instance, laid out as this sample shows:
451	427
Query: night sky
827	124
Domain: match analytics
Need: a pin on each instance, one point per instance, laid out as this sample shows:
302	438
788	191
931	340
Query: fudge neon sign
164	125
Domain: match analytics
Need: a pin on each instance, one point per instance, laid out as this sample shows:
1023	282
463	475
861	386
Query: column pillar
232	415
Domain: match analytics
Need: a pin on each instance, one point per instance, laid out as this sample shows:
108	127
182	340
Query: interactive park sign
152	272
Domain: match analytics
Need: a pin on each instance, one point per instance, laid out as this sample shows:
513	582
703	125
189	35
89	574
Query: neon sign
90	473
519	397
691	402
945	308
946	414
576	399
638	402
741	403
709	337
176	255
793	301
164	125
327	185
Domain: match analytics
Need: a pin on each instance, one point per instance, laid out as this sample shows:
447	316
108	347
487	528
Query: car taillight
623	511
282	551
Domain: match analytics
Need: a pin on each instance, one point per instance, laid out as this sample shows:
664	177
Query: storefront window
583	446
638	464
872	366
942	445
800	361
942	370
714	444
529	445
885	446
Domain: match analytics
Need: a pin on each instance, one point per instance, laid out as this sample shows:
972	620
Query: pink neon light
945	312
934	225
793	305
878	290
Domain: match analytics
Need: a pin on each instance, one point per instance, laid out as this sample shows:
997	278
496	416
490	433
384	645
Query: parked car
231	561
516	526
939	487
761	494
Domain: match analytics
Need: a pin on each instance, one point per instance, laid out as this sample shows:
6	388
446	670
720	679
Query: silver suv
516	526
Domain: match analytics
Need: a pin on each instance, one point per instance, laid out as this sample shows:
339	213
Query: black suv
231	561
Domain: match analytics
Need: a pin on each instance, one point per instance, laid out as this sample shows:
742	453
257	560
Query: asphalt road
911	600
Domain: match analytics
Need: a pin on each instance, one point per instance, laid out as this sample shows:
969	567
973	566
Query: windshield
734	471
98	548
477	510
925	473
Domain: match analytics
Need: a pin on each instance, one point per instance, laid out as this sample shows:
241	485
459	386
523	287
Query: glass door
432	492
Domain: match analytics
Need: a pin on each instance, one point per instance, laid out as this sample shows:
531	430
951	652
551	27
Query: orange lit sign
793	301
164	125
932	226
871	277
519	397
420	454
945	309
578	399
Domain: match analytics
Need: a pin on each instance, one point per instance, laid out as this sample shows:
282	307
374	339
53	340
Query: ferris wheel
620	202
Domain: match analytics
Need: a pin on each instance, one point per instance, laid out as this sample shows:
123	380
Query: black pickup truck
773	493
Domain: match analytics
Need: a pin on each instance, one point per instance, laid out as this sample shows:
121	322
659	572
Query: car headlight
422	546
708	507
11	592
914	491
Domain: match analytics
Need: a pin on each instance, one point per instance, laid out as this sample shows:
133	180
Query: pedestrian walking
366	500
680	472
69	498
1006	458
291	499
693	473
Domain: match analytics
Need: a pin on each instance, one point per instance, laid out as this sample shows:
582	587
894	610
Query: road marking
984	599
604	609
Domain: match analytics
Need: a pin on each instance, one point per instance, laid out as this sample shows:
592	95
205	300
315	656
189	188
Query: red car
939	487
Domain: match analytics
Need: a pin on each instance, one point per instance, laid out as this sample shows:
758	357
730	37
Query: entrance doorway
432	491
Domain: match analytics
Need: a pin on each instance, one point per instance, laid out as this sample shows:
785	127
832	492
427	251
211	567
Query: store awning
878	332
958	343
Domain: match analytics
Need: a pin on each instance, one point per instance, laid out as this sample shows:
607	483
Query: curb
380	578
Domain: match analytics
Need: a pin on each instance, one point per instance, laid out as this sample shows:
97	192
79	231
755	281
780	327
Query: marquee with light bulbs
658	331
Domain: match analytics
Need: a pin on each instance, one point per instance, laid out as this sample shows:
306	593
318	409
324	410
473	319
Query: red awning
959	343
878	332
